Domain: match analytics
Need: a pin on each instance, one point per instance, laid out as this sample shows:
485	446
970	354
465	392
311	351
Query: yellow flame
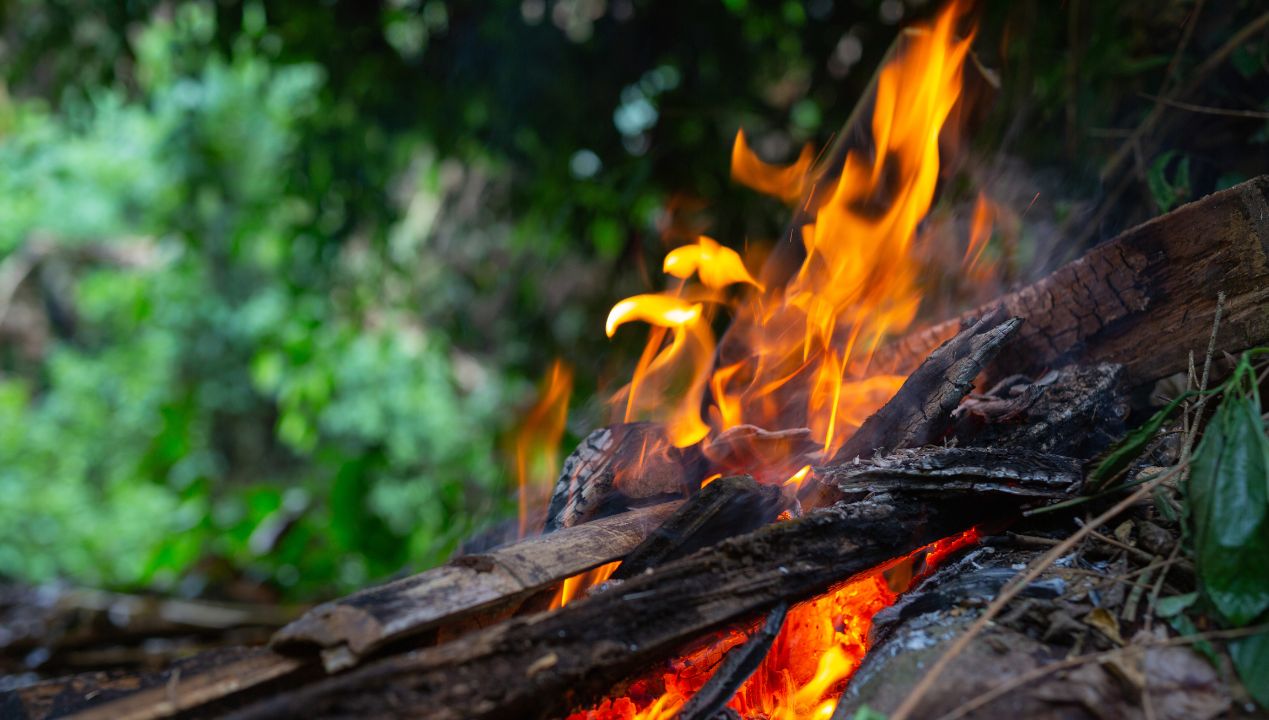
798	355
798	477
718	266
660	310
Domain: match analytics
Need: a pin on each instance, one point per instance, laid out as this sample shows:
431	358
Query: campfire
722	548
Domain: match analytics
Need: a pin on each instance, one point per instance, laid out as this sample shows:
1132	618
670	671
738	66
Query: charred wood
726	507
1077	411
1143	300
618	467
185	685
346	629
922	408
537	666
1013	471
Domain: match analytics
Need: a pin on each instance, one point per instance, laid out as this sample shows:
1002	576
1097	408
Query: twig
1016	586
1135	552
1206	110
1248	31
1139	587
1037	673
1207	368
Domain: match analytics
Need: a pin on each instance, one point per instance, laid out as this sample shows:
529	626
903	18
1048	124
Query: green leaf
1251	658
1228	507
1173	605
1130	447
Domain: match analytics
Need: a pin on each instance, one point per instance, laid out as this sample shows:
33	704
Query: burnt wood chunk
346	629
734	670
1011	471
184	685
922	408
1144	300
616	467
726	507
538	666
1076	410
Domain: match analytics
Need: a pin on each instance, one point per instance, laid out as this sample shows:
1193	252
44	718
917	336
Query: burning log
726	507
922	408
1143	300
539	665
616	467
492	583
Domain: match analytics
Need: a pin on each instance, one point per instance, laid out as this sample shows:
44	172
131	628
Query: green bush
228	401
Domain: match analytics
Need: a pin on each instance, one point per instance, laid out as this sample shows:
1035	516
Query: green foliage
217	401
285	266
1251	657
1228	507
1169	191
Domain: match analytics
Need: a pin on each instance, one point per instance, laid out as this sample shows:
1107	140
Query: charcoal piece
1076	410
726	507
618	467
940	470
921	410
734	670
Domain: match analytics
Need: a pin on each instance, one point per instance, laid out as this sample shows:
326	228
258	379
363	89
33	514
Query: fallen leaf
1105	622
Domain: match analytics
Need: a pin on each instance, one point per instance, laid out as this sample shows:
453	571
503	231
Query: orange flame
821	644
573	587
979	234
797	355
787	183
536	441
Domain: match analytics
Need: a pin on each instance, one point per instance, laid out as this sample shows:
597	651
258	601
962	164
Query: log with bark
487	584
1144	300
541	665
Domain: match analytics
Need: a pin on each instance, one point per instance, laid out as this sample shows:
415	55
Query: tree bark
1144	300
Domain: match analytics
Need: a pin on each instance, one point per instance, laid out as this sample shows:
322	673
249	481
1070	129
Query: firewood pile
977	468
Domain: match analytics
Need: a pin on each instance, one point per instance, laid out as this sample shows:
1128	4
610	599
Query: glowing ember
820	646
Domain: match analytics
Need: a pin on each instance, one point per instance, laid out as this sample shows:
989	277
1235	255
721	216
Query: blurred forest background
277	278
